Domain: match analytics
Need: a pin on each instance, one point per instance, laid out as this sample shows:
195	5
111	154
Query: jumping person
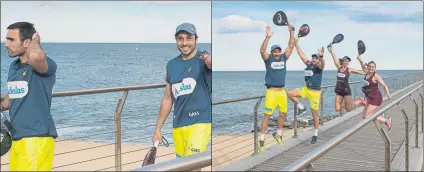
342	88
276	96
372	93
312	89
188	88
30	82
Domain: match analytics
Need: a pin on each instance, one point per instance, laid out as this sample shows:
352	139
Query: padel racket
361	47
280	19
337	39
303	31
150	157
5	137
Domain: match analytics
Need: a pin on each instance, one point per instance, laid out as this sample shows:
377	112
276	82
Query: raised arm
290	47
381	82
299	51
269	34
333	54
36	55
364	68
321	64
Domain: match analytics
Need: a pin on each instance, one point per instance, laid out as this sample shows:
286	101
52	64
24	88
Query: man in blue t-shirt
275	80
30	82
188	88
312	88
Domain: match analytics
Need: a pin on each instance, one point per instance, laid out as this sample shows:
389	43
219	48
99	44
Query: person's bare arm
351	70
364	68
335	59
5	104
264	53
299	51
165	108
36	55
381	82
321	64
290	47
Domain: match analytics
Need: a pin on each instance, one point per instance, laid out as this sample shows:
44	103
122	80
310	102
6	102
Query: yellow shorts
192	139
275	99
313	96
32	154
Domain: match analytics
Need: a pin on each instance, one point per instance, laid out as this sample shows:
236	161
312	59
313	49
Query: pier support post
117	116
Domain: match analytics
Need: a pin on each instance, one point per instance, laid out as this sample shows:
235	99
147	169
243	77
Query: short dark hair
26	29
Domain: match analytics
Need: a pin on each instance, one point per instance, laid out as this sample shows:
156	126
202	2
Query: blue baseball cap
275	47
188	27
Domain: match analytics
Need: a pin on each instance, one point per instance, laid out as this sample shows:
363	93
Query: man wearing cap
30	82
312	89
275	77
188	87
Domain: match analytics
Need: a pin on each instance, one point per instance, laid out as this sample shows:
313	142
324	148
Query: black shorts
343	92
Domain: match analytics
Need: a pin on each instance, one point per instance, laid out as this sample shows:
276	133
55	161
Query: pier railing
306	161
394	83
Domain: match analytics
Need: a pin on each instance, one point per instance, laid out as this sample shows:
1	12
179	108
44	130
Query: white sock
316	132
280	132
300	106
262	137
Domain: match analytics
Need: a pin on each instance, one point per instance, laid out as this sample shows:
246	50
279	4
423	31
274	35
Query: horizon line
299	70
113	42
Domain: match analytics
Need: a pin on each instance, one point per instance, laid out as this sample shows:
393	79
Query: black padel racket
280	19
150	157
303	31
337	39
361	47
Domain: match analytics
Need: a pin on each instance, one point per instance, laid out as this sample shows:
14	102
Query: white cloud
391	45
236	23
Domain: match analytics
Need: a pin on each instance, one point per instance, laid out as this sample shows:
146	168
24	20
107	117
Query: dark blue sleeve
51	67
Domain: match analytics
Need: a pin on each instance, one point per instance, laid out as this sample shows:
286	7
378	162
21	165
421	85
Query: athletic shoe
300	111
361	101
278	138
314	139
389	123
261	145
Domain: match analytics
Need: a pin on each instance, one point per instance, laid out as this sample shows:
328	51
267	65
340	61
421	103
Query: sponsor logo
183	88
341	75
309	73
17	89
366	82
277	65
196	113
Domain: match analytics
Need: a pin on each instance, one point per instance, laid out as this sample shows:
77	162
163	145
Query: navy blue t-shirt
276	71
313	76
190	82
30	97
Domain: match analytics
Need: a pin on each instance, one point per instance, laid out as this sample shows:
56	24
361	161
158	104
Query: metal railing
189	163
394	83
306	162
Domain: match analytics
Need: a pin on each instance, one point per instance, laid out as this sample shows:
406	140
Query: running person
188	88
275	96
30	82
312	89
372	93
342	88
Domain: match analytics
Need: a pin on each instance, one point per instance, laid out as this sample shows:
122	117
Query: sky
391	31
108	21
